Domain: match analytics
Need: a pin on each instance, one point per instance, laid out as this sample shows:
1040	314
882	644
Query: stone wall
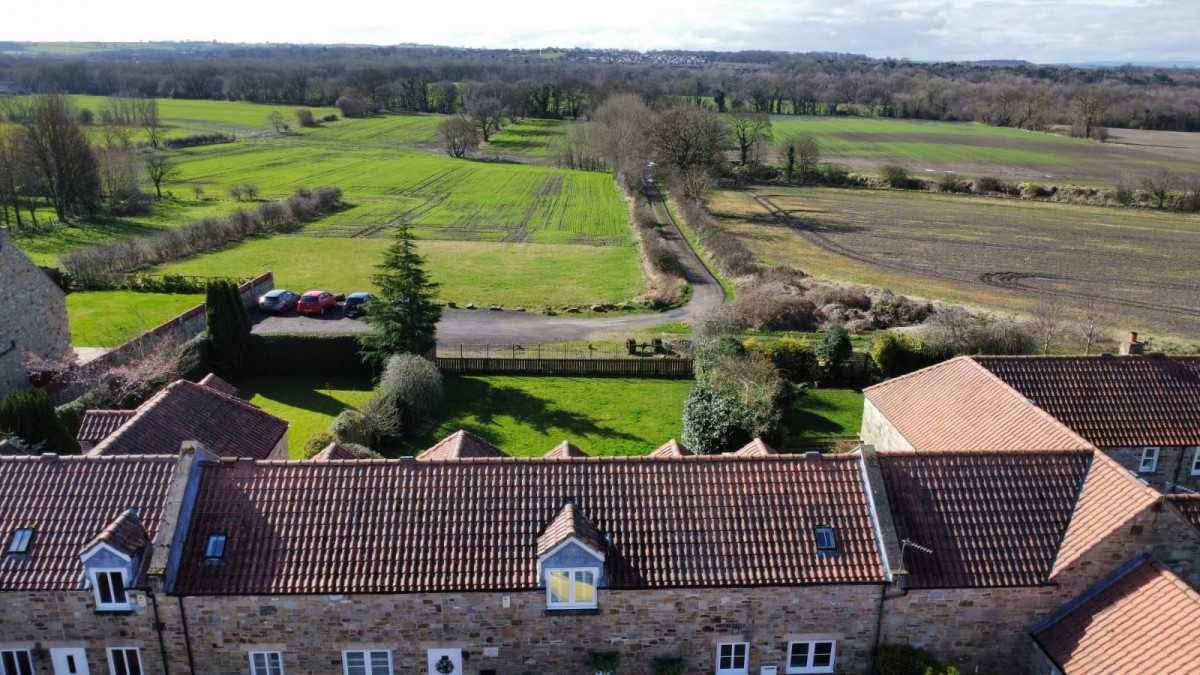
1174	465
877	430
33	316
512	634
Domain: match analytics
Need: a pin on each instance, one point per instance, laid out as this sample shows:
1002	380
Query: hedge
306	354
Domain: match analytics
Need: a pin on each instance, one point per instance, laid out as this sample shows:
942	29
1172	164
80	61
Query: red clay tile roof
1189	507
186	411
217	384
410	526
1144	621
125	534
1113	401
461	445
570	523
1110	498
69	501
755	448
991	518
672	448
565	450
98	425
333	451
959	405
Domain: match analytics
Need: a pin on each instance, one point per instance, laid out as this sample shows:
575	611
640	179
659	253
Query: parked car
357	304
279	300
315	302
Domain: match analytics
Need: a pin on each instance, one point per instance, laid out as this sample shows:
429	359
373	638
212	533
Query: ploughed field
993	253
969	149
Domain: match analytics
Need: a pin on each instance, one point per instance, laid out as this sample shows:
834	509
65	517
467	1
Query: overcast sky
1046	31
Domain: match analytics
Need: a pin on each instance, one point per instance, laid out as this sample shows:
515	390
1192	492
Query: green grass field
531	138
825	412
977	150
309	404
109	318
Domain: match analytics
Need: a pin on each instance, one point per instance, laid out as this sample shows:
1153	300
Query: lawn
309	404
530	137
510	275
110	318
825	412
999	254
527	416
977	149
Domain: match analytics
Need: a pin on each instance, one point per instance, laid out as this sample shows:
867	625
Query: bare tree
1094	325
458	135
275	119
1159	185
120	169
807	152
59	147
626	120
1088	107
487	111
750	130
148	119
160	167
1046	322
687	137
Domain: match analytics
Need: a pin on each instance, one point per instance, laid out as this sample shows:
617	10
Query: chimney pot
1133	336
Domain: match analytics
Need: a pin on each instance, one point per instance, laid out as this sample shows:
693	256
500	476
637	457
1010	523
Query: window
1196	461
124	661
367	663
216	547
572	589
16	662
810	657
826	544
266	663
1149	460
733	658
19	544
109	587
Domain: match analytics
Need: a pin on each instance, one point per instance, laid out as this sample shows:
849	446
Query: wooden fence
665	368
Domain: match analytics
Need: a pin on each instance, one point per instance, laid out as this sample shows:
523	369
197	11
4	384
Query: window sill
115	611
573	611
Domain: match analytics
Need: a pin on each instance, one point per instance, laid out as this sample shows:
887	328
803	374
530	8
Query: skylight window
216	547
826	543
19	544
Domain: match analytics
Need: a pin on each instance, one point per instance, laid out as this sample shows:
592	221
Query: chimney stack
1132	346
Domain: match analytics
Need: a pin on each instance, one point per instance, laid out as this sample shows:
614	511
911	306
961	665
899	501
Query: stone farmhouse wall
1174	465
878	431
33	316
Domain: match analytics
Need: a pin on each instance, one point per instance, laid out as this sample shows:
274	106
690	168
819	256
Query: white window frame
572	603
267	668
809	667
16	654
124	655
1196	460
744	669
1150	452
367	660
102	606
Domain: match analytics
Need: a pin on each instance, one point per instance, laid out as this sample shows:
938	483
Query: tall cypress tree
404	316
228	329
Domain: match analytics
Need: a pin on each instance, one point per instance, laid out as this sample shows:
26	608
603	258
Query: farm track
1008	280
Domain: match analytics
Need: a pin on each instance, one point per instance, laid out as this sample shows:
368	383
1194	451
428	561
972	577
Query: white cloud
1066	30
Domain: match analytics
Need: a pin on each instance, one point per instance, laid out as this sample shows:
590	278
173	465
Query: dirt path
463	325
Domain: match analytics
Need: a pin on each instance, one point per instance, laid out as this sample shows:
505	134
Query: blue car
356	304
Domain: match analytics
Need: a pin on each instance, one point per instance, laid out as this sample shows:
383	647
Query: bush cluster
306	354
165	283
904	660
955	331
894	354
730	254
198	139
785	299
29	416
95	266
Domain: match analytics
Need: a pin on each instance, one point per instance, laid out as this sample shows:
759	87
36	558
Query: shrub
895	354
834	350
793	358
330	118
604	662
414	386
197	139
949	182
349	427
903	660
360	451
767	308
317	442
759	390
667	666
954	331
710	422
708	352
852	297
894	176
352	105
730	254
29	415
307	354
305	117
991	184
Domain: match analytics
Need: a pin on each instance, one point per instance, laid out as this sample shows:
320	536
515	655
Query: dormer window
826	543
109	588
215	550
19	544
1149	462
572	588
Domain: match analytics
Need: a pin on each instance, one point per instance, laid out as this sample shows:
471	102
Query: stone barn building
33	316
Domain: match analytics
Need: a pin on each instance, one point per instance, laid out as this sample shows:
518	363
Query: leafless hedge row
730	254
97	266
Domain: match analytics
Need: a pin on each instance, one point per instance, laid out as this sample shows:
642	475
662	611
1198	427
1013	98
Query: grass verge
110	318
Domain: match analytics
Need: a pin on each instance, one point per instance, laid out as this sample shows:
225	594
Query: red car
315	302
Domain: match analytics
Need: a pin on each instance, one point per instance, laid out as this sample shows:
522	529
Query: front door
445	662
69	661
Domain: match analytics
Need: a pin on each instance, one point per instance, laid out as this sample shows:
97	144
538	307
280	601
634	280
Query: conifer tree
405	314
228	329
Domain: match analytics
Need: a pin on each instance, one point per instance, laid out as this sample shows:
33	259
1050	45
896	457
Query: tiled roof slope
755	448
461	445
186	411
1111	497
1188	505
959	405
570	523
217	384
125	534
333	451
565	450
98	425
1113	401
1142	622
991	518
672	449
69	501
409	526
